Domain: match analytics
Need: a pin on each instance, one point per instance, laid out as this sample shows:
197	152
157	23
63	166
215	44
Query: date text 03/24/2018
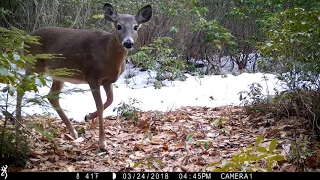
183	176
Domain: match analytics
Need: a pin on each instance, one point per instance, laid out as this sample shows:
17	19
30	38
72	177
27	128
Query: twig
298	150
77	16
5	19
187	157
11	116
170	109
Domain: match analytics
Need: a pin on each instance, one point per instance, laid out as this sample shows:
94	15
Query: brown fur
94	53
98	56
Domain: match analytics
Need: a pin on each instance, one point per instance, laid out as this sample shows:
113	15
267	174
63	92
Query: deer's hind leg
53	98
108	88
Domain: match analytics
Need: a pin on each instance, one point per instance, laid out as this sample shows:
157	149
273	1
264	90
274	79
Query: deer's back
65	40
80	48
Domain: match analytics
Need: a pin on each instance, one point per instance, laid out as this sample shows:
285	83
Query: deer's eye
135	27
119	27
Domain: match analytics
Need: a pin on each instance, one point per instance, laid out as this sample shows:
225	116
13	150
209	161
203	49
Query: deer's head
126	26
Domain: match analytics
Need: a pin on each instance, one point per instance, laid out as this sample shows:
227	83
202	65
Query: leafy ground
183	140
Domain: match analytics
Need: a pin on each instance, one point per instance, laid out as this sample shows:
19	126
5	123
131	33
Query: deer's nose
128	44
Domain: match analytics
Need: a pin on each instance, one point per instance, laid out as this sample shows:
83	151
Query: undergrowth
128	110
255	158
298	104
14	149
160	56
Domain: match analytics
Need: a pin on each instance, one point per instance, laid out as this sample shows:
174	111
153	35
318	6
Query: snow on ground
209	91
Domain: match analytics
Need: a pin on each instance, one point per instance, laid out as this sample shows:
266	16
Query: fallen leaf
111	132
139	154
180	144
123	136
43	158
144	124
165	147
68	136
157	141
50	151
79	140
39	152
289	168
138	146
62	163
102	153
312	161
147	149
272	133
53	158
83	162
34	160
212	135
92	146
171	133
70	169
94	123
200	162
48	163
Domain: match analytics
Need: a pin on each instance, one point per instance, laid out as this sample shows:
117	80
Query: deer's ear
110	13
144	14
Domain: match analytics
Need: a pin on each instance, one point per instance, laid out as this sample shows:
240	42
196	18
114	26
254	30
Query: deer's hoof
74	134
103	146
87	117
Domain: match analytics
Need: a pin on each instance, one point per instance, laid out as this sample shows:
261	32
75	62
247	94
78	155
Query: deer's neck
116	52
116	55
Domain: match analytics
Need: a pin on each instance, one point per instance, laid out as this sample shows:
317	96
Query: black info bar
155	175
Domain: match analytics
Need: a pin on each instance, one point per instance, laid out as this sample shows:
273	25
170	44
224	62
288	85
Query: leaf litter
186	139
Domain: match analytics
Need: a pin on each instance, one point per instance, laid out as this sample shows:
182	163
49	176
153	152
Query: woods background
200	29
201	37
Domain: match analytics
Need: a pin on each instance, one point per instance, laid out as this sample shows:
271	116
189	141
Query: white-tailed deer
99	57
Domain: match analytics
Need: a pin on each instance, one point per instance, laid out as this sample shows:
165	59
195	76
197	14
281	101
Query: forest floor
187	139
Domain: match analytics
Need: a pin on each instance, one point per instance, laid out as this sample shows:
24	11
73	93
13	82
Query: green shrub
14	149
128	110
293	42
14	56
159	56
300	150
252	158
12	59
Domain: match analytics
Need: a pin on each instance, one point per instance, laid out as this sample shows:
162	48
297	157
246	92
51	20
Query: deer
97	55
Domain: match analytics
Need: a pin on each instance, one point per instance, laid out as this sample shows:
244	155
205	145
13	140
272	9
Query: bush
14	57
14	149
252	158
159	56
12	60
300	103
293	42
128	110
13	44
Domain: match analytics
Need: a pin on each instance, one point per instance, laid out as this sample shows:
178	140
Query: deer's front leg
108	88
95	89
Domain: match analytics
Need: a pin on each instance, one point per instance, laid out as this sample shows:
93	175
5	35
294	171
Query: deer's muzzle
128	44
